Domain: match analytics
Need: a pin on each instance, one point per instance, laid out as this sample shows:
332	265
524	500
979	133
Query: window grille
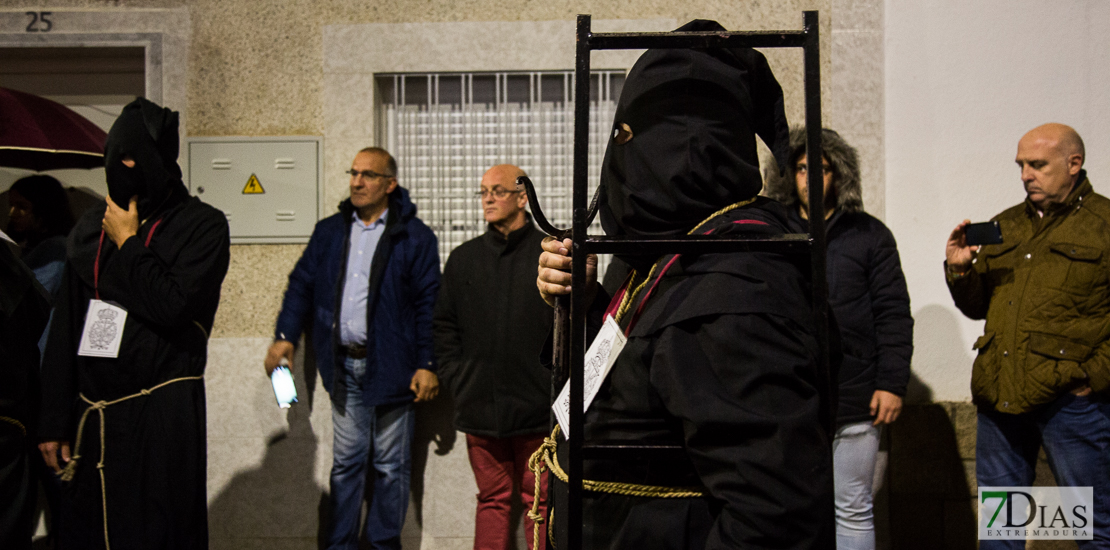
447	129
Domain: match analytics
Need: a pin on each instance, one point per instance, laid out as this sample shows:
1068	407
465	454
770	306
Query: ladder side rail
816	188
578	305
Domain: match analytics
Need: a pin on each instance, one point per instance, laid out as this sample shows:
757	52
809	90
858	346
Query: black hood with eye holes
147	133
693	115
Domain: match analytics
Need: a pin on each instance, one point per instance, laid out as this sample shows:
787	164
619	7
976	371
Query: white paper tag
103	330
600	357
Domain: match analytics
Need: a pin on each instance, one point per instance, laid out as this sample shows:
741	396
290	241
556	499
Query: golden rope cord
16	423
99	406
545	458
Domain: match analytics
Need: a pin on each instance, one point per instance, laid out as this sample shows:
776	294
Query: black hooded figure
24	310
722	354
146	407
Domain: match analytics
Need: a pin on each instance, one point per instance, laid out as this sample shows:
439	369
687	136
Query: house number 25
39	21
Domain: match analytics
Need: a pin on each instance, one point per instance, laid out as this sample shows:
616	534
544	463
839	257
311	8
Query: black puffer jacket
867	290
489	326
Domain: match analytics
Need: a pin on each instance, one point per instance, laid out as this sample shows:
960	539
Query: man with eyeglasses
489	327
367	282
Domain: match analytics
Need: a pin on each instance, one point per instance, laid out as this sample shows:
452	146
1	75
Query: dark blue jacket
404	281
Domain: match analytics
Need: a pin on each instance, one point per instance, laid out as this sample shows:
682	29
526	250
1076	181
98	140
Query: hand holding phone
959	253
284	389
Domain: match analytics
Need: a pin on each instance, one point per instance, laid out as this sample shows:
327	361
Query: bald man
489	327
1042	375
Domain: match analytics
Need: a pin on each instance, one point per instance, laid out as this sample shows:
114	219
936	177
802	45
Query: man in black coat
722	354
868	296
129	427
489	327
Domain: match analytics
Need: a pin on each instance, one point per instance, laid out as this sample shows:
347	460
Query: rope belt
99	406
546	458
16	423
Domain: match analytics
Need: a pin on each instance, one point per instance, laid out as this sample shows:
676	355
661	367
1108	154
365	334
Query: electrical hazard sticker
253	186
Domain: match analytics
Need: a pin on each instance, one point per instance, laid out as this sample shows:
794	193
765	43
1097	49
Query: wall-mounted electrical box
270	188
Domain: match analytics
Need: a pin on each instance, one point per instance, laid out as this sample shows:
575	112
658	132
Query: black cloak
723	359
168	278
24	310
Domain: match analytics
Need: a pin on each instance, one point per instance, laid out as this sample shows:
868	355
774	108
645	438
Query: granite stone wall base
931	491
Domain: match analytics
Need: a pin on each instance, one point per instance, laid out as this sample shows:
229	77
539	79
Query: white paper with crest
103	330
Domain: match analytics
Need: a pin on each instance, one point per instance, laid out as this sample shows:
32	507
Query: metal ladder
570	327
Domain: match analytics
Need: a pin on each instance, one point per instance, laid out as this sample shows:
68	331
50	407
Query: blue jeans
383	432
1075	432
854	450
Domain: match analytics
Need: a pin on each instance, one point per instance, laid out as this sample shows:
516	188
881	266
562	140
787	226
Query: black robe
722	361
168	279
24	310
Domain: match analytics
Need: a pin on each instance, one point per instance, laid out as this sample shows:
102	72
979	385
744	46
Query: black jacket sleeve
448	342
171	295
890	306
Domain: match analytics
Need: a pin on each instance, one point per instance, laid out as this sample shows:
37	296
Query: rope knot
144	391
100	465
99	405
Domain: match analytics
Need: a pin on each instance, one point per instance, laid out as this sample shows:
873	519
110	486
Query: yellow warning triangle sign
253	187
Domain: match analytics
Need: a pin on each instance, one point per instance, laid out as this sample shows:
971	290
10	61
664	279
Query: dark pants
1075	432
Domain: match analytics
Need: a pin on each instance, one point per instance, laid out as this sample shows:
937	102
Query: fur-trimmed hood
843	160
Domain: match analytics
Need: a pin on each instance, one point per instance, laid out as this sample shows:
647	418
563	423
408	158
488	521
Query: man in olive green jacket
1042	374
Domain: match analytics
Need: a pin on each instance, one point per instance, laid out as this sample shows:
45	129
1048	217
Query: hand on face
120	224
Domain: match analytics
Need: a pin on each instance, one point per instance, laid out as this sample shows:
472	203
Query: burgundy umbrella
39	134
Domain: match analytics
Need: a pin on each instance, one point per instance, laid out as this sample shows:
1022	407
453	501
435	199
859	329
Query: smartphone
983	233
284	389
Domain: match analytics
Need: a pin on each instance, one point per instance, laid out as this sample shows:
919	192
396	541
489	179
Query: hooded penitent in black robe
168	279
723	358
24	309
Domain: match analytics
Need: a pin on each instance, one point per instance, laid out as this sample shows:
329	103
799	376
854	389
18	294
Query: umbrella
39	134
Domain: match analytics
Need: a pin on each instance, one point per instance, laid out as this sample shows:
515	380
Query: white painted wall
964	81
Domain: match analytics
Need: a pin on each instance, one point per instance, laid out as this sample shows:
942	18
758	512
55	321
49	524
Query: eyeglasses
497	193
367	174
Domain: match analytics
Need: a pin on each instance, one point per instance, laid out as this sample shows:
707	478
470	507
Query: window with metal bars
447	129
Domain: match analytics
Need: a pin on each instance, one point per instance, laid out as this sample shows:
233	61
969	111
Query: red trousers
499	464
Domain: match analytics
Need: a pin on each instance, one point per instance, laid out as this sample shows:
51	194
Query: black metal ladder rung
730	39
625	450
791	243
